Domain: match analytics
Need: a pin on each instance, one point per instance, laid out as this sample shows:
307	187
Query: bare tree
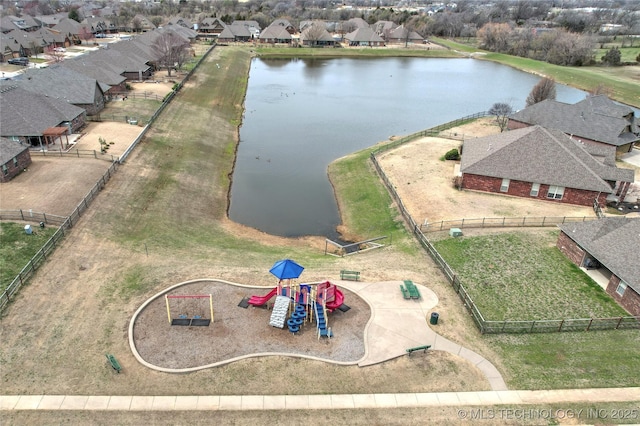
601	89
136	24
314	33
502	111
545	89
56	56
171	50
85	34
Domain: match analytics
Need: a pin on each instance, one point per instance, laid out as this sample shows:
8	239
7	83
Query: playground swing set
184	319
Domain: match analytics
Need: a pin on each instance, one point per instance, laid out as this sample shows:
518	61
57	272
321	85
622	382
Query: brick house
611	245
14	158
597	120
544	164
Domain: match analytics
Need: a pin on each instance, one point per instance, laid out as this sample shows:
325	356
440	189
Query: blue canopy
286	269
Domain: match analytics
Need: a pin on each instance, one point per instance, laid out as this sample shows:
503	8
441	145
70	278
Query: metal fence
486	327
64	223
78	153
68	222
501	222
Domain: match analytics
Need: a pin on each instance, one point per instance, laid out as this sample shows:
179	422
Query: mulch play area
236	331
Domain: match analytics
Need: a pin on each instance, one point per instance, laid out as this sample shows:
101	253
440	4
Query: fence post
590	322
533	323
21	214
618	324
561	323
44	216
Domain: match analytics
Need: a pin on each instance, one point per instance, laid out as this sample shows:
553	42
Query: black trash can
434	318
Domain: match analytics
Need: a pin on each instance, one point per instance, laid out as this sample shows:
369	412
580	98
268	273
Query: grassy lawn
569	360
287	52
624	87
137	107
523	276
18	248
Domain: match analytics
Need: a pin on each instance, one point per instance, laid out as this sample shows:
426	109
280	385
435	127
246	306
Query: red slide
261	300
337	301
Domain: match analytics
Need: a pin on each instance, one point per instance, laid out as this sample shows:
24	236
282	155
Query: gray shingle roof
596	118
10	149
26	113
275	32
60	83
614	242
539	155
363	35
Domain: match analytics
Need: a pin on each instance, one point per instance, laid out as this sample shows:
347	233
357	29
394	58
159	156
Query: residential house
275	34
180	21
37	120
595	120
210	27
284	23
75	31
364	37
49	21
402	35
253	26
140	24
316	35
23	23
14	158
235	33
99	65
543	164
611	245
65	84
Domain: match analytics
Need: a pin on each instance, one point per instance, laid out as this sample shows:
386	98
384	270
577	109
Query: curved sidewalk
513	400
398	324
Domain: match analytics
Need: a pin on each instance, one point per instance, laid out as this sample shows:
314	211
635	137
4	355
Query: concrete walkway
398	324
515	400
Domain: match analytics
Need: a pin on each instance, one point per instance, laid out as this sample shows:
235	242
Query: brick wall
523	189
570	249
23	159
630	300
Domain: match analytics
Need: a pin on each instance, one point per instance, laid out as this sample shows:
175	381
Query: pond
301	114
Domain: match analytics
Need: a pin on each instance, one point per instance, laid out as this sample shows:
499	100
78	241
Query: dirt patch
424	181
236	331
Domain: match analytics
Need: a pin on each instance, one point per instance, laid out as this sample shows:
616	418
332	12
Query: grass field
162	219
523	276
18	248
621	81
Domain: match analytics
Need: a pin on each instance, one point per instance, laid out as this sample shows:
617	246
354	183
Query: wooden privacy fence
487	327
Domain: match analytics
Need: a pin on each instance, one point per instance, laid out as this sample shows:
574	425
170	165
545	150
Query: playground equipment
261	300
296	304
184	319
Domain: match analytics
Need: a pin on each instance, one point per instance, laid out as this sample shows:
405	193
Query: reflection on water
301	114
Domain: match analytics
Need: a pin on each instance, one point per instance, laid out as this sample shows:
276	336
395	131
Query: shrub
452	154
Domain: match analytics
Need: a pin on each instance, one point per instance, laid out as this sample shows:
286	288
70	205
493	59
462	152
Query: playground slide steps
279	312
322	325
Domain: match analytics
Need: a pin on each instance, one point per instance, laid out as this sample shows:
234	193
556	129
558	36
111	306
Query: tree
85	34
612	57
171	49
601	89
545	89
73	14
494	37
502	111
314	33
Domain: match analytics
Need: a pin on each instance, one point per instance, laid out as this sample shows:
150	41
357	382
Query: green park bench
414	293
114	362
405	292
349	275
418	348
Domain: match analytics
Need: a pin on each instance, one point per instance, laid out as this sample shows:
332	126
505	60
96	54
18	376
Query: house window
5	170
555	192
535	188
15	162
622	286
504	187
